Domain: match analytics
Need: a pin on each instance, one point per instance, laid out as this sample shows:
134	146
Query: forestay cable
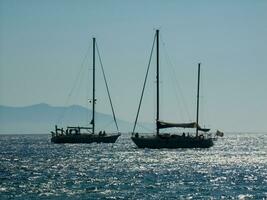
140	102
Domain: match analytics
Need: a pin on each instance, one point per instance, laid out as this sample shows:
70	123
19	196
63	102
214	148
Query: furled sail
162	125
203	129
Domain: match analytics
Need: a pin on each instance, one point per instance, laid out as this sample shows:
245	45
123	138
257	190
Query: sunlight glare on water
33	168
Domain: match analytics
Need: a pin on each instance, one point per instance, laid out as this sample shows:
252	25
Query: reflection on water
32	167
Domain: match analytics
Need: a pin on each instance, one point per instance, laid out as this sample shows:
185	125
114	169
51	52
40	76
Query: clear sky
43	43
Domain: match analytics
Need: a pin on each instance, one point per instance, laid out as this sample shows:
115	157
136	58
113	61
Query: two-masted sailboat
87	134
169	140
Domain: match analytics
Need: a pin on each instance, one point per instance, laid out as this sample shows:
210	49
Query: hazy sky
43	44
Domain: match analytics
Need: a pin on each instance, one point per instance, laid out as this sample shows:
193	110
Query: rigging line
203	102
175	79
102	69
87	99
74	85
154	100
140	102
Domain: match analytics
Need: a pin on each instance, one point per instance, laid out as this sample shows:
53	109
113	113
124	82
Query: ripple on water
31	168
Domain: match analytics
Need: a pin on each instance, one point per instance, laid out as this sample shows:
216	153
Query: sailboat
87	134
170	140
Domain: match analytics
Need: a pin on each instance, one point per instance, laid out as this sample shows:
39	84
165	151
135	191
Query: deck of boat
171	141
85	138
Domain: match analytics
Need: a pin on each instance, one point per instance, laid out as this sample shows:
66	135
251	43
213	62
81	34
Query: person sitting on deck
76	131
57	130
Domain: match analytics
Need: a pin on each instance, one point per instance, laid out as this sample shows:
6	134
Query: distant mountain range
41	118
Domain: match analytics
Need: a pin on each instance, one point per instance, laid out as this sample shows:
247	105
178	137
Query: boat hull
171	142
85	138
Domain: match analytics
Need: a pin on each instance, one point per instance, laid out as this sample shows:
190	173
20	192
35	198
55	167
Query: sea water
33	168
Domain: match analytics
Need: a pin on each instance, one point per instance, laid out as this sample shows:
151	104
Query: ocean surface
33	168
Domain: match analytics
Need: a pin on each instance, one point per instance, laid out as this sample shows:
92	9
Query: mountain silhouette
41	118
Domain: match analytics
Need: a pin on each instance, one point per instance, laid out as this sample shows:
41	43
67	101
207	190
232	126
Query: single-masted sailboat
87	134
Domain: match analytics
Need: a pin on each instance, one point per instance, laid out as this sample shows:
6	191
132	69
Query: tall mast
198	81
157	77
93	118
